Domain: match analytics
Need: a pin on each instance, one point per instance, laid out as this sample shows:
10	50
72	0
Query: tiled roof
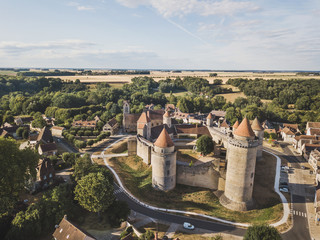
256	125
287	131
192	129
313	124
164	140
224	124
209	116
57	128
143	120
315	131
244	129
218	113
289	125
236	125
68	231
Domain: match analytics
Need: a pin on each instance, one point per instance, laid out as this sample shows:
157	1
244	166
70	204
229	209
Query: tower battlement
243	143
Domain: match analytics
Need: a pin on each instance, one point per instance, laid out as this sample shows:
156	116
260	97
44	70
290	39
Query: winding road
298	231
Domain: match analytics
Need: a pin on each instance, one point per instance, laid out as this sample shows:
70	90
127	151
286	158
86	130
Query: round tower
167	119
144	126
241	162
259	132
163	162
209	120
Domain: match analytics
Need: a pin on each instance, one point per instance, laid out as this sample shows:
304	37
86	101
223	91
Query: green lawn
137	178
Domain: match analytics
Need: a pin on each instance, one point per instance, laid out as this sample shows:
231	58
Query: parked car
286	190
187	225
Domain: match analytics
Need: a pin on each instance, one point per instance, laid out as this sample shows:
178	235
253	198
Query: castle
155	144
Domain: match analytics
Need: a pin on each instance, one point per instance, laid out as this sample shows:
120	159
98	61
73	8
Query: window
45	177
251	175
167	163
168	172
50	175
61	230
68	236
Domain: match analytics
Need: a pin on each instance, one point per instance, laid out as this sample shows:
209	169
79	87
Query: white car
284	190
187	225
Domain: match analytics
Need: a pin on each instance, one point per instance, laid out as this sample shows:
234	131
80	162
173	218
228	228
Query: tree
148	235
118	212
262	232
19	131
94	192
205	144
20	168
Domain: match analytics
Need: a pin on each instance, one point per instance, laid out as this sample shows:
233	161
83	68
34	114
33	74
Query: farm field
160	75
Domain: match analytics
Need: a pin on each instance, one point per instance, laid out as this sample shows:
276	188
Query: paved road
207	225
300	229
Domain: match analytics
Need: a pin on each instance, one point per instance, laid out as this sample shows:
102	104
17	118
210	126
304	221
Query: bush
263	232
87	132
205	144
90	142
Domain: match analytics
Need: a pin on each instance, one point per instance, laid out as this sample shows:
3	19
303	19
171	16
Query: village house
307	148
20	121
48	149
69	231
87	124
289	131
57	131
111	126
45	136
313	128
317	204
299	141
314	160
45	174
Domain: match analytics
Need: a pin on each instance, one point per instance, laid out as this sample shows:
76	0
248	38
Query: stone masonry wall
202	175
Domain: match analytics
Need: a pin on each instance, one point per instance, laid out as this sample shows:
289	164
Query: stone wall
144	151
132	146
202	175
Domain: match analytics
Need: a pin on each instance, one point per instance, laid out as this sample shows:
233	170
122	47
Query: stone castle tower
163	161
167	119
144	126
259	132
241	162
209	120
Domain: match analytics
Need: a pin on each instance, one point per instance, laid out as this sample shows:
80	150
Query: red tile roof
244	129
164	140
256	125
236	125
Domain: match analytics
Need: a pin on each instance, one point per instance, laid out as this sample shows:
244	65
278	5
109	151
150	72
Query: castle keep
155	144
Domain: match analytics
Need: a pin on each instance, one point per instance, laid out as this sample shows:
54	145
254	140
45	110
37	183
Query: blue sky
161	34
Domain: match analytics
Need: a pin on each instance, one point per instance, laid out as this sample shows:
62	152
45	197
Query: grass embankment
119	147
187	155
137	178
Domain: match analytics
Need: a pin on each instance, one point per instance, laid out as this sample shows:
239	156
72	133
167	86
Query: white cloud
80	7
21	47
169	8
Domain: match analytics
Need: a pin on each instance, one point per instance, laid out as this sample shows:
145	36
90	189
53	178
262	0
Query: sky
161	34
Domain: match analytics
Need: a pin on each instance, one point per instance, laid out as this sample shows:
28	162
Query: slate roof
244	129
48	147
45	135
155	131
112	122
